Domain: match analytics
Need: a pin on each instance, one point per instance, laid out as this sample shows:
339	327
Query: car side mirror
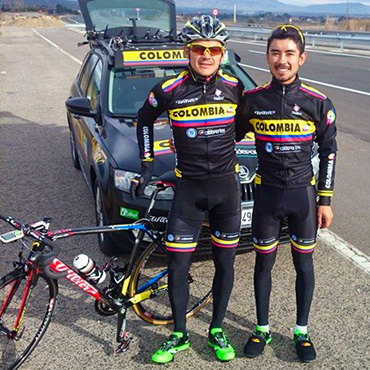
80	106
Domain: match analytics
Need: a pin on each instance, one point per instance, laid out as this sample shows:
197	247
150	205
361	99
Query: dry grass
361	25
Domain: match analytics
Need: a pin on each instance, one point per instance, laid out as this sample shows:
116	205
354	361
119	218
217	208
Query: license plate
247	217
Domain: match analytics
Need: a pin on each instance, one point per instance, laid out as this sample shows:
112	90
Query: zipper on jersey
206	141
282	117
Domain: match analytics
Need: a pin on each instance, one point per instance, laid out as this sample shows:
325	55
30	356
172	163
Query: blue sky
317	2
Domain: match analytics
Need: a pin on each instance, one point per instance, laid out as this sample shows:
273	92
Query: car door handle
76	116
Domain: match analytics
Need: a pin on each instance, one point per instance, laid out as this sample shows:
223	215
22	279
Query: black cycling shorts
272	205
219	196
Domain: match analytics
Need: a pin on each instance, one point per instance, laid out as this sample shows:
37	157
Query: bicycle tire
40	306
156	309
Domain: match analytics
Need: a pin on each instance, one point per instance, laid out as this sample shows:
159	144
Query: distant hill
275	6
245	6
71	4
339	9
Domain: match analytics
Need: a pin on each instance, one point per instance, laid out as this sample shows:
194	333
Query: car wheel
75	160
105	241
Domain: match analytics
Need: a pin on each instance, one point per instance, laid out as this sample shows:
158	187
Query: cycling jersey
286	119
201	114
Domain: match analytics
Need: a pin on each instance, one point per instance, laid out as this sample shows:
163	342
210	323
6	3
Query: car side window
93	90
85	76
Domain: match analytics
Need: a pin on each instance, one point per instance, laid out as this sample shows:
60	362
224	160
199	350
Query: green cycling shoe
223	349
176	342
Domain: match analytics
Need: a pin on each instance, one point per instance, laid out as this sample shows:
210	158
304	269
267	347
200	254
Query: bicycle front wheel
150	275
17	342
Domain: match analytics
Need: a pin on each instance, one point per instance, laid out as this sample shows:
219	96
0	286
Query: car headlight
163	195
122	181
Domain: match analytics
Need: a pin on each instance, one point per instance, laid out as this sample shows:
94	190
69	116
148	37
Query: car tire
106	244
74	154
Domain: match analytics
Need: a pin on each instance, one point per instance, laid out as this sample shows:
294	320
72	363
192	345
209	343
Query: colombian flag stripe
180	245
303	250
310	90
267	248
194	123
224	245
155	62
180	250
171	84
226	81
267	86
284	138
302	247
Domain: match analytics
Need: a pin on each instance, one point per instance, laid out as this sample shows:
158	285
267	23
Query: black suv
133	45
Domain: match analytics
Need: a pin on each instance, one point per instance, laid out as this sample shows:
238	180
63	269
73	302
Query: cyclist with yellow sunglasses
201	105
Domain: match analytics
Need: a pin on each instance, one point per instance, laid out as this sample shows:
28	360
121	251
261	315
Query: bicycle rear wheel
150	273
16	344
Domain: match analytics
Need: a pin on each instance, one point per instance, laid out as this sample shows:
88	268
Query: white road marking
58	47
314	81
339	53
346	249
257	52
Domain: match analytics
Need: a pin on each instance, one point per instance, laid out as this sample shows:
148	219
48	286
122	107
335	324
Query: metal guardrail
340	40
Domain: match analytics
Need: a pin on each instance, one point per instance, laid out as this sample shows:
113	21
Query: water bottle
89	268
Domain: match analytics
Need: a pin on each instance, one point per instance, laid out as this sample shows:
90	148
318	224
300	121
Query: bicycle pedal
123	347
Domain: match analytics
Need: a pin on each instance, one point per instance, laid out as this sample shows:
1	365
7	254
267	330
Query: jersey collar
291	88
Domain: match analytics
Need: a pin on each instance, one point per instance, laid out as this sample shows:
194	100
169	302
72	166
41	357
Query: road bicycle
28	294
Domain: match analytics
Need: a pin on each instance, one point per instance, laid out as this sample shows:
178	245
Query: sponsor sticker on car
153	57
133	214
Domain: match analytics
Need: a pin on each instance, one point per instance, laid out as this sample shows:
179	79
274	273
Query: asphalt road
37	179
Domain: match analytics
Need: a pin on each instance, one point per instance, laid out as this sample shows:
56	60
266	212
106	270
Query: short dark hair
287	31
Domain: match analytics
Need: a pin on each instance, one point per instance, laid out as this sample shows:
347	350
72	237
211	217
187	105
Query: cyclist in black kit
286	116
201	105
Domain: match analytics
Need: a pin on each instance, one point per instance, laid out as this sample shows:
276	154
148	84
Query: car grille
247	191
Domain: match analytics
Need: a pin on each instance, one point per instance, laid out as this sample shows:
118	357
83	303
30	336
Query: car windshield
120	13
129	88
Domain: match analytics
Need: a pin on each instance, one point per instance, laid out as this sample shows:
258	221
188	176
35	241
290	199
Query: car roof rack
129	38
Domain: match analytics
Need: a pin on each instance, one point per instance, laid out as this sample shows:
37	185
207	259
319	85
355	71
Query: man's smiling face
203	62
284	60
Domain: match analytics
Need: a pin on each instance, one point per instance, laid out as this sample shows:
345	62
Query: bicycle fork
14	334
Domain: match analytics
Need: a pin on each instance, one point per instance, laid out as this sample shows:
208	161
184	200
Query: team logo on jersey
191	133
170	238
218	95
296	110
218	234
330	117
152	100
269	148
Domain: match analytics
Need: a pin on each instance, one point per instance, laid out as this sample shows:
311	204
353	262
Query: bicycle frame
39	232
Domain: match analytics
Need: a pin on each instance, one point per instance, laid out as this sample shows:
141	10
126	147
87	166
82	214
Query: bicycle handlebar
43	258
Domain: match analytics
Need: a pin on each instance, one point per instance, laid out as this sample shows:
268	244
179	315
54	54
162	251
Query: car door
85	127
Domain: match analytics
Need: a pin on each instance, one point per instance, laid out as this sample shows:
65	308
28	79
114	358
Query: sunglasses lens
198	49
212	50
215	50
